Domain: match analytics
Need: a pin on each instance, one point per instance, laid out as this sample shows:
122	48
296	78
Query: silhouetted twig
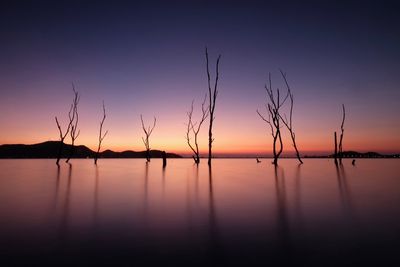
273	108
195	127
74	133
146	140
101	135
212	94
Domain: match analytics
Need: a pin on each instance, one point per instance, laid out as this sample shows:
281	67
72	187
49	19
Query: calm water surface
127	212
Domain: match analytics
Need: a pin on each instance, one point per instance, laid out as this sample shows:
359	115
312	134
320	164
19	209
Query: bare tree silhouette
212	94
194	127
71	116
273	108
74	132
289	123
339	149
101	135
146	140
341	135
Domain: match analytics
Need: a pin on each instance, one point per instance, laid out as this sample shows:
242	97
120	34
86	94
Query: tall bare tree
194	128
341	135
71	116
212	94
146	140
74	132
289	122
274	103
101	135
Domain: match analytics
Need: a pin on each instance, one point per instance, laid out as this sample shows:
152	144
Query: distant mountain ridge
49	149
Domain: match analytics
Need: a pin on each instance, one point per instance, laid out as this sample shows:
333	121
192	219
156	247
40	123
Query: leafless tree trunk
74	133
71	116
273	108
335	155
101	135
195	127
288	123
212	94
146	140
341	136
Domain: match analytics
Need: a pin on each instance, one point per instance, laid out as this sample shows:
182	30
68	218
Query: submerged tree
339	149
101	135
289	122
146	140
71	116
341	135
74	132
273	106
212	94
194	128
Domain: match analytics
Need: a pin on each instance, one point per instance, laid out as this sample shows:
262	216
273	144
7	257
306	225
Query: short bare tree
212	94
193	128
101	135
339	149
289	122
74	132
273	106
146	140
71	116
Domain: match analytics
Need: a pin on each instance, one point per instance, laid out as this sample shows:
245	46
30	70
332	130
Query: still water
127	212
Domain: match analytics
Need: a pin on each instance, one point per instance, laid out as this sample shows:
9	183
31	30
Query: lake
127	212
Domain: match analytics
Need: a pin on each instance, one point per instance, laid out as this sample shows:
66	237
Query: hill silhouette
50	150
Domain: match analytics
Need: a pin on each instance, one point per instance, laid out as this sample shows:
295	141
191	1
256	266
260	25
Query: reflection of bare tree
344	190
214	246
64	224
282	214
96	196
298	197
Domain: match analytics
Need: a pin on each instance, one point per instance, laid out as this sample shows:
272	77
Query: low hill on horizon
49	149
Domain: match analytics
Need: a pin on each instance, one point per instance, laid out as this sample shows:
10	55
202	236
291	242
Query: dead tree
194	128
74	133
341	135
335	154
274	118
101	135
71	116
146	140
289	123
212	94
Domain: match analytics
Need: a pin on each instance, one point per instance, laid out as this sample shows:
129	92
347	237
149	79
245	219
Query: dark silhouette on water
212	97
258	161
164	159
146	139
74	126
353	162
289	123
194	127
339	149
101	135
71	116
274	104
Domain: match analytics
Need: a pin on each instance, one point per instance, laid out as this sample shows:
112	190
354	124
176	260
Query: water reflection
226	215
283	229
344	191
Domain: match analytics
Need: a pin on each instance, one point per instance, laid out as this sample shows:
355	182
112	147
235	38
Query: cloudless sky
148	58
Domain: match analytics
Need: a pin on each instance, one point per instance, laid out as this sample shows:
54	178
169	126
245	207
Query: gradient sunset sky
148	58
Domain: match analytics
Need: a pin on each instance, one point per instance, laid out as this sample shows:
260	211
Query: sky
148	58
